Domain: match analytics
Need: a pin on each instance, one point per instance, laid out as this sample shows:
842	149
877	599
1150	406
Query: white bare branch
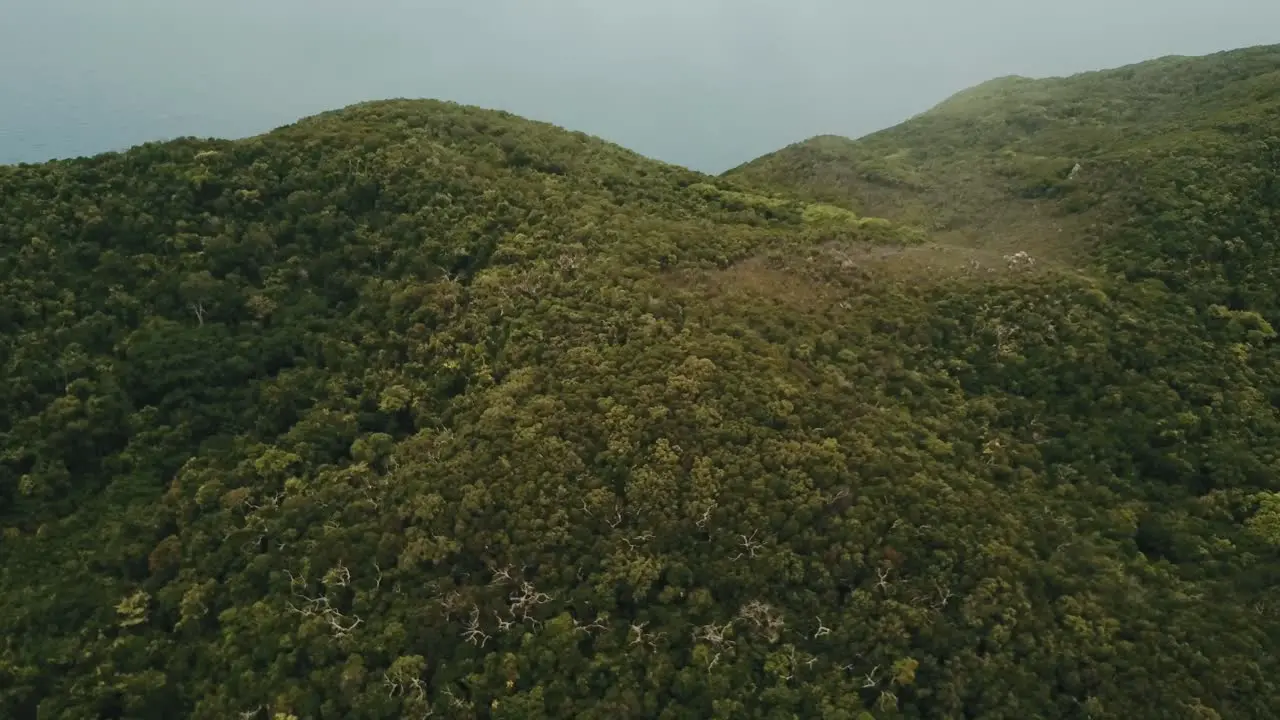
502	575
638	630
600	624
764	618
295	582
394	687
336	620
750	545
706	516
456	701
472	632
713	634
883	582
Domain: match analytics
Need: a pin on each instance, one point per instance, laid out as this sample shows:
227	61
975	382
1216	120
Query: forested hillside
415	409
1025	161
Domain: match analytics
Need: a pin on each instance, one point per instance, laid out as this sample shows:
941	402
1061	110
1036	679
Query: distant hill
996	165
414	409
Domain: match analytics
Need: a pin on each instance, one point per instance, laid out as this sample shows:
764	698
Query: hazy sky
703	83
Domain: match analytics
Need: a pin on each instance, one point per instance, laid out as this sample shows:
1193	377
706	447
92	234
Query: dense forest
415	409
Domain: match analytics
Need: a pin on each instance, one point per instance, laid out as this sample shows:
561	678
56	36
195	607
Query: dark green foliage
418	408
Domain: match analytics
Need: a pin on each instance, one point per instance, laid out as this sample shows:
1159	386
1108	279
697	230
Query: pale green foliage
133	609
1265	522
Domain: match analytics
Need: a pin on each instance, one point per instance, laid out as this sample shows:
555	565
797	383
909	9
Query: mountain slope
1017	162
415	408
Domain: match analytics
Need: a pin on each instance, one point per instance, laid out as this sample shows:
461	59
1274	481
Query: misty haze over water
703	83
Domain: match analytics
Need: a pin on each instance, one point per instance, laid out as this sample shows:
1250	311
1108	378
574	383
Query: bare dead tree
640	637
451	603
526	602
869	680
750	545
883	582
706	516
342	626
600	624
655	638
822	630
713	634
472	632
528	595
617	517
637	632
503	625
319	607
294	581
502	575
764	618
268	503
338	575
455	701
